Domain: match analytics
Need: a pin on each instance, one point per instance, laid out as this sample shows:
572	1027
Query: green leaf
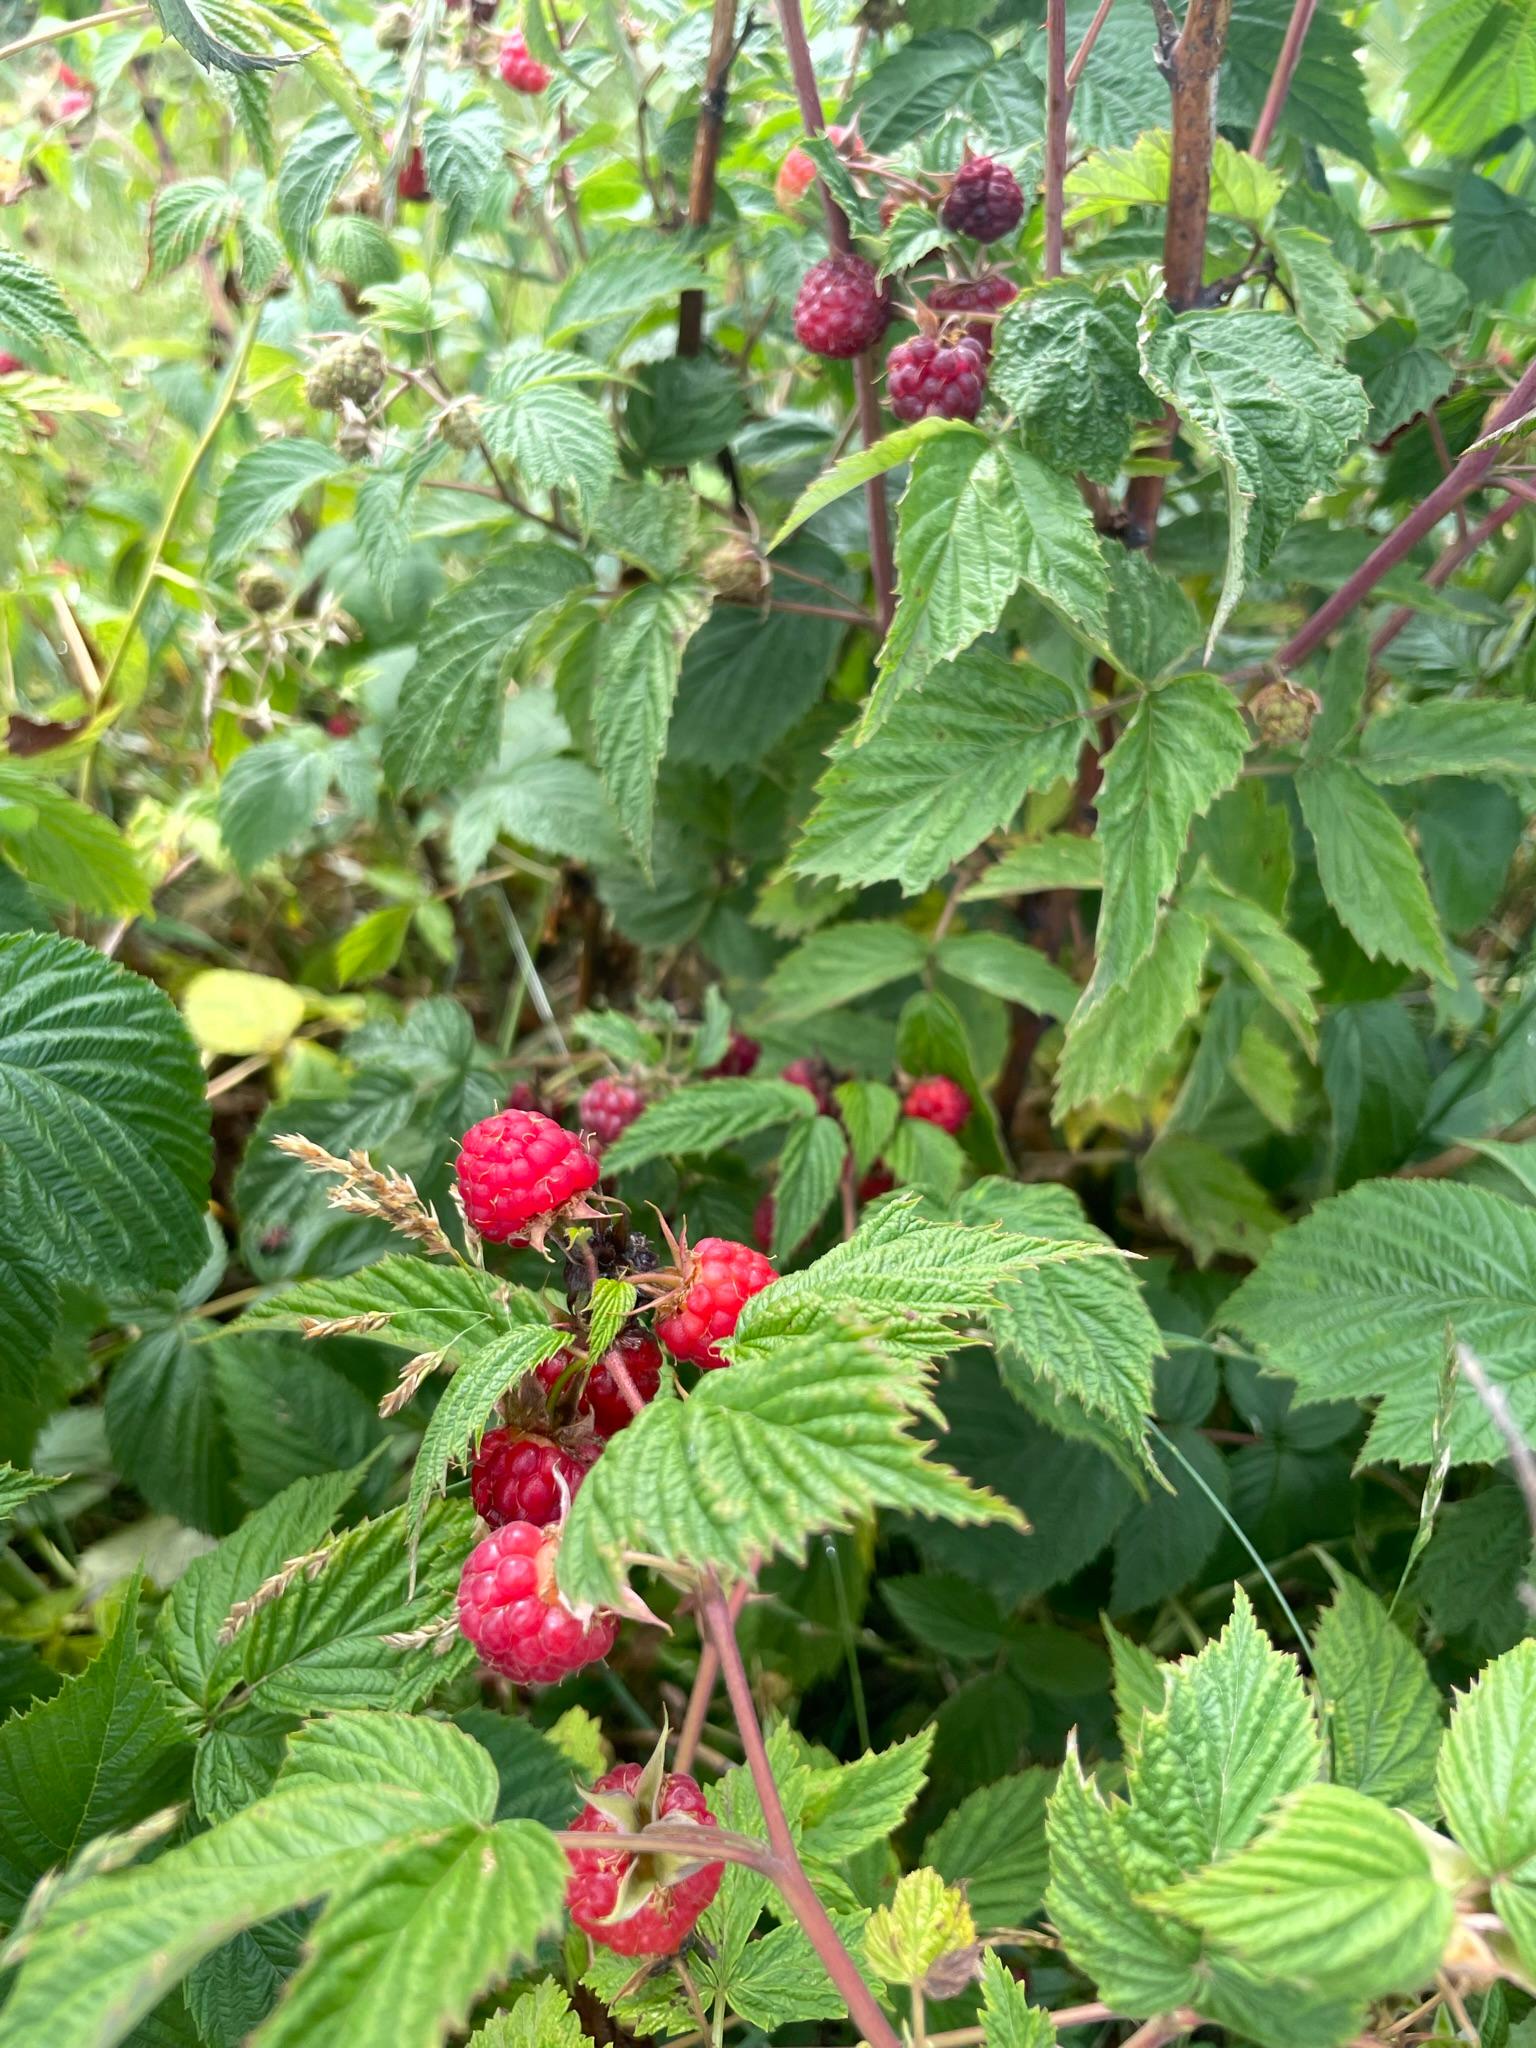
948	765
1354	1302
464	1413
1486	1779
1207	1198
1321	290
1279	968
315	162
1065	360
166	1427
185	217
707	1116
1369	870
464	151
852	1806
32	308
68	849
1326	103
555	438
1402	378
978	518
869	1111
994	1844
541	2018
450	700
1450	736
1493	238
1182	746
620	282
262	488
839	964
810	1169
1081	1329
1235	1734
1154	629
1109	179
828	1420
17	1487
861	467
1275	415
640	655
188	24
1380	1706
1472	70
1337	1897
104	1752
270	795
1167	1539
1008	2019
1062	860
915	85
1006	967
102	1118
1113	1045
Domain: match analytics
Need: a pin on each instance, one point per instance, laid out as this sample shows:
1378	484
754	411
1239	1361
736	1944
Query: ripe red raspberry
739	1058
984	201
511	1610
69	106
938	1100
986	294
666	1916
877	1182
608	1108
842	309
517	1169
412	182
341	725
522	72
797	174
517	1478
928	378
815	1077
719	1279
602	1401
10	364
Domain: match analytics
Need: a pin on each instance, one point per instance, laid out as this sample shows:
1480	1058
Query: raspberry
938	1100
601	1401
510	1609
877	1182
517	1169
797	174
608	1108
9	364
412	182
1283	712
352	369
720	1277
78	100
522	1096
522	72
984	201
841	309
517	1478
928	378
459	425
341	725
392	30
986	294
739	1058
625	1801
815	1077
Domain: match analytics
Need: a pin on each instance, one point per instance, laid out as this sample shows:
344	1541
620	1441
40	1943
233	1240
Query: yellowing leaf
228	1011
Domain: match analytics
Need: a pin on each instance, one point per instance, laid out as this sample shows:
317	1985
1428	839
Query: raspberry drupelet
511	1610
719	1278
521	1478
516	1169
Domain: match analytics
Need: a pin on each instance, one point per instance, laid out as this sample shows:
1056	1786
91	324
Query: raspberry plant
766	1082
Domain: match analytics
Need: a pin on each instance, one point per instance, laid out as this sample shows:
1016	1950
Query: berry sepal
635	1901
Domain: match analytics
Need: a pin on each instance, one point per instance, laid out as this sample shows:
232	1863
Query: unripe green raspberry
262	589
732	568
392	30
350	369
459	426
1282	713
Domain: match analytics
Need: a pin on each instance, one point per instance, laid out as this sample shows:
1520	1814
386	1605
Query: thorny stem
1465	478
704	1680
1285	71
881	561
784	1866
706	157
1193	64
232	382
1058	104
1464	545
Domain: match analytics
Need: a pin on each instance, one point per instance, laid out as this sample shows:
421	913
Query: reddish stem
1285	71
1463	479
1458	551
703	1693
881	561
706	157
786	1869
1058	104
1079	63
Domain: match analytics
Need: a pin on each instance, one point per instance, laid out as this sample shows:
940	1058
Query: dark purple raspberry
842	309
984	202
928	378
